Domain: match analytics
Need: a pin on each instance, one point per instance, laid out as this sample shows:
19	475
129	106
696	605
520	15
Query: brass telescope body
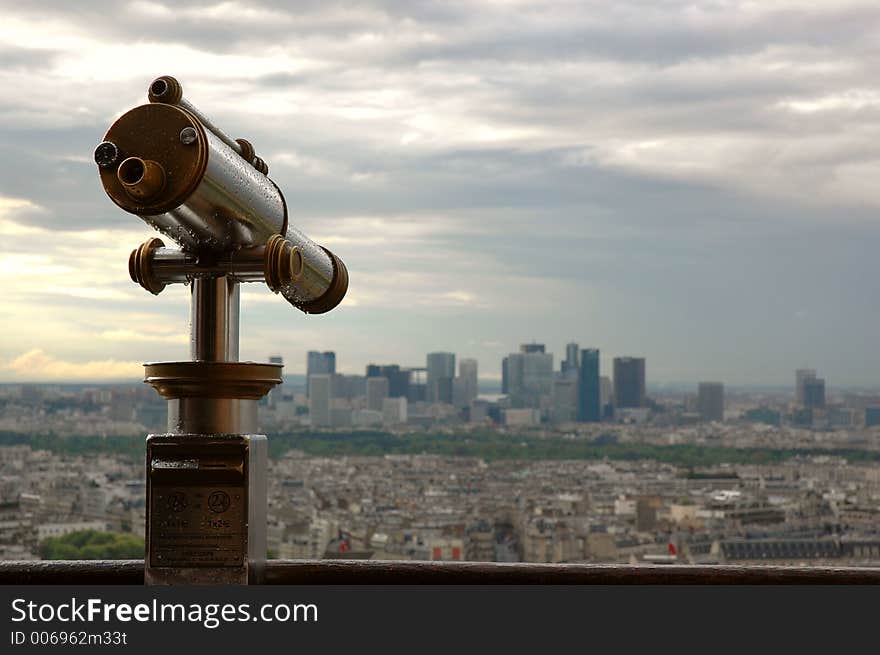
167	163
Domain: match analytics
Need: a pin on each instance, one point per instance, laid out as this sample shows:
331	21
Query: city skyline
560	360
691	184
559	363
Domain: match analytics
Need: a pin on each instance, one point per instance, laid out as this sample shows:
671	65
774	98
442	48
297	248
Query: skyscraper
348	387
465	388
530	376
606	396
398	379
417	377
814	393
588	407
629	382
800	376
319	399
710	401
565	400
318	363
441	371
377	392
505	382
571	362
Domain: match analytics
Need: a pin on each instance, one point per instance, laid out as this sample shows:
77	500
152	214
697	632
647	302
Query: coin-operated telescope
167	163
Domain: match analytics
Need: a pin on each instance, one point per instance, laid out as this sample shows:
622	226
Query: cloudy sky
693	182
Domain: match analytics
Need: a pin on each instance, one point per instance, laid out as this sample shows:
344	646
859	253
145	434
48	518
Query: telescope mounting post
206	476
214	319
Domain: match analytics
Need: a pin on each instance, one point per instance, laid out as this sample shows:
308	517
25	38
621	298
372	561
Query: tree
92	544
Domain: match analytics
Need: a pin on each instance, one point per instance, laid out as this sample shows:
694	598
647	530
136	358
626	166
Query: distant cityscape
611	469
533	392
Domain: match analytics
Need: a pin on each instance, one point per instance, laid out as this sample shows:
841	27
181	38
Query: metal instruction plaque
198	526
198	503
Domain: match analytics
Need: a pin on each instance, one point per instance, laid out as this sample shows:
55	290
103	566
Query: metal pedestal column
206	477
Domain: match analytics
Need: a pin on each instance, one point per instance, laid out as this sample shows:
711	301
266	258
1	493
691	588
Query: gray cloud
695	183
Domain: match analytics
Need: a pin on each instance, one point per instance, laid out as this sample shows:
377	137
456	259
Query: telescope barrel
169	165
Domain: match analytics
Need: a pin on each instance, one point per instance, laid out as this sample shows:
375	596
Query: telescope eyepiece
159	87
165	89
131	171
142	179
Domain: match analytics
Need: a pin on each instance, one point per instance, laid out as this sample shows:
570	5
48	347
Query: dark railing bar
375	572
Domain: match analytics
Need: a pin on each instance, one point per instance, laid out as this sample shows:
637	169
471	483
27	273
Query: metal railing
374	572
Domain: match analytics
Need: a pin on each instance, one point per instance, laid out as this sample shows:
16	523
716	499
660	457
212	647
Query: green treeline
487	445
494	446
91	544
77	445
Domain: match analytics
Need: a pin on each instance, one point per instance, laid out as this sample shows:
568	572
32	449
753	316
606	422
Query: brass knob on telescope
283	263
285	271
140	266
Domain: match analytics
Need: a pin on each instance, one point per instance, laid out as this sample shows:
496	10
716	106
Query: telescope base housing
206	476
206	509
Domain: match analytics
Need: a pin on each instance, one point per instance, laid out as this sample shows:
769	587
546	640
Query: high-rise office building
319	399
377	392
809	389
571	363
319	363
348	387
589	409
537	377
800	376
515	388
530	376
606	396
572	353
814	393
505	384
629	382
443	388
565	400
465	388
441	371
418	383
398	379
710	401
